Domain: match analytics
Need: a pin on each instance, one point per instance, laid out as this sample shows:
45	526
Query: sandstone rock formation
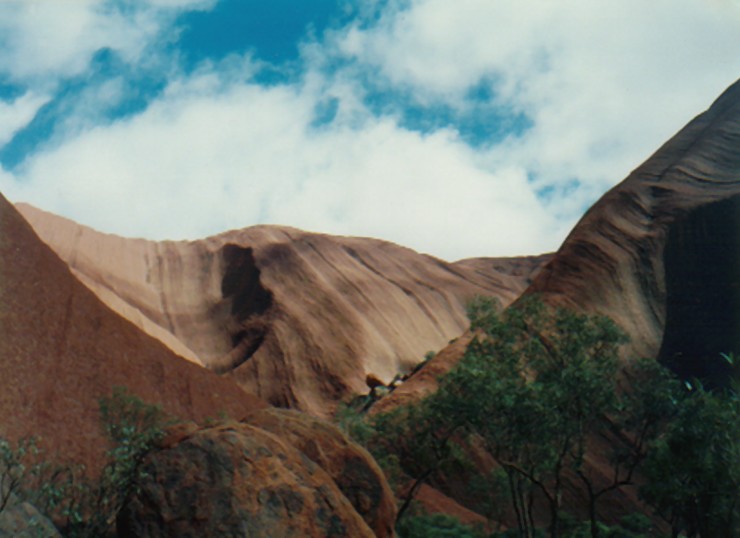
298	318
659	253
237	480
61	349
350	466
424	381
23	520
436	502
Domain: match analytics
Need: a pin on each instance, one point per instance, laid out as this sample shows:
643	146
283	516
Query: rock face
237	480
300	319
424	381
659	253
350	466
23	520
61	349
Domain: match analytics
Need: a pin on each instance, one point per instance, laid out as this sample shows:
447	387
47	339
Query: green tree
85	507
540	390
133	428
693	471
534	386
644	405
423	441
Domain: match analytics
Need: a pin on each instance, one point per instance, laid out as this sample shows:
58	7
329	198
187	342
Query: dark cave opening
250	301
241	283
702	272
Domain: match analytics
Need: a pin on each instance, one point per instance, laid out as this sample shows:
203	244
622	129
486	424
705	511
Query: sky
457	128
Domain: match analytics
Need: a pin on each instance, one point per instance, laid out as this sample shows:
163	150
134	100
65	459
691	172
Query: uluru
229	325
300	319
369	269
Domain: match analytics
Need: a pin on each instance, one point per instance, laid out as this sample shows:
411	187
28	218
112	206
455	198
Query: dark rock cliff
658	252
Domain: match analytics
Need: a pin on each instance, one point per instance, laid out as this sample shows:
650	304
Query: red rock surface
61	349
350	466
237	480
659	255
435	502
659	251
425	380
298	318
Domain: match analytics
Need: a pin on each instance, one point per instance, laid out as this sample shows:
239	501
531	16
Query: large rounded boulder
351	467
236	480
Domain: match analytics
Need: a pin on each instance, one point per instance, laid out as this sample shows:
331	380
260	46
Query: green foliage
693	471
27	475
15	467
637	524
631	526
366	432
533	389
133	427
417	434
83	507
435	526
350	419
491	493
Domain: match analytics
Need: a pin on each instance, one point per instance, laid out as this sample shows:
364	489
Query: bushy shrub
133	428
435	526
85	508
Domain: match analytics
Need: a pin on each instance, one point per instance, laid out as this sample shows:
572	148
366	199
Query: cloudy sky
458	128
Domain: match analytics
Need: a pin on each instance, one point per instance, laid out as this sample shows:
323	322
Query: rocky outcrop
435	502
301	319
237	480
350	466
425	380
23	520
659	252
62	349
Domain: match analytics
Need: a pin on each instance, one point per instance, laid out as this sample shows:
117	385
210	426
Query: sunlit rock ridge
660	252
300	319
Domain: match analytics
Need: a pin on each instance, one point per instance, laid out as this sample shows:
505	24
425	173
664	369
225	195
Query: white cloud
44	40
207	157
17	114
604	84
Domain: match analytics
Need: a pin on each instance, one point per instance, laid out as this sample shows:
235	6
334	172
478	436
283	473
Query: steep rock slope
299	318
61	349
659	253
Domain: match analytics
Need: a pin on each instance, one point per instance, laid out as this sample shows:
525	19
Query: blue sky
466	128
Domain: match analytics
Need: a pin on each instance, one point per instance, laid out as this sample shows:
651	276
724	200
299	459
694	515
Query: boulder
23	520
236	480
351	467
